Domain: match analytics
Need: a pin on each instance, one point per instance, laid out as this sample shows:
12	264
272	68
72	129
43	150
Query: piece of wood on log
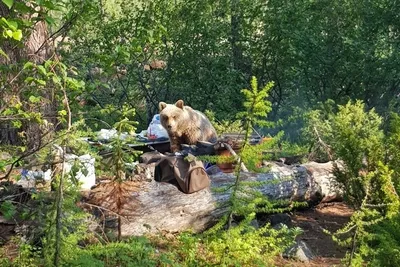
163	207
242	166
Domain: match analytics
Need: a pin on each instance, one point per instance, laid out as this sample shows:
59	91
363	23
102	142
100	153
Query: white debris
86	174
155	129
106	134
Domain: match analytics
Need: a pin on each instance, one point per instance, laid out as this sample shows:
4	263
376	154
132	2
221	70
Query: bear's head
172	115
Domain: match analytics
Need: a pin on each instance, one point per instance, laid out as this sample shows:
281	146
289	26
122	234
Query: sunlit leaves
16	124
41	70
28	65
17	35
10	29
8	3
256	103
62	113
34	99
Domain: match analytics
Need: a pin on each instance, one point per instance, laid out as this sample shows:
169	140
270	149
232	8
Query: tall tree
35	49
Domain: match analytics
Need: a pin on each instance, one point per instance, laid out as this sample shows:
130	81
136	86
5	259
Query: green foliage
8	3
292	149
355	137
385	243
224	126
7	209
255	104
357	134
379	207
39	245
120	153
392	152
10	30
73	227
133	252
243	244
244	199
234	240
254	155
210	49
219	159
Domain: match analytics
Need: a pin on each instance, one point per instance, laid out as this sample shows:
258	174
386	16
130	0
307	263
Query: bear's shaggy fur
185	125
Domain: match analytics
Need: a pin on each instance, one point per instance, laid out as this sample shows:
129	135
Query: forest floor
313	221
329	216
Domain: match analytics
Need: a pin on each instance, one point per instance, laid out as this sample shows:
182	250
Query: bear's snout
169	126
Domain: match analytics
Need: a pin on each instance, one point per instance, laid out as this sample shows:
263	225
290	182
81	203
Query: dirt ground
329	216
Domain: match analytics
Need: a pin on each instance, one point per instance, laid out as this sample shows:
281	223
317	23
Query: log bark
163	207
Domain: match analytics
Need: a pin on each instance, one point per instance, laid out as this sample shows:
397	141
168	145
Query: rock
299	251
255	224
280	218
213	170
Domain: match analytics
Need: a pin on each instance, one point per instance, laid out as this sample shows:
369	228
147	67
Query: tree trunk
162	207
36	49
239	60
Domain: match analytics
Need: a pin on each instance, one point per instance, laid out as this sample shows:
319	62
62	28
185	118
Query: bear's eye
174	117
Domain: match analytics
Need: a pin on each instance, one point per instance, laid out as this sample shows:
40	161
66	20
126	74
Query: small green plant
121	152
231	243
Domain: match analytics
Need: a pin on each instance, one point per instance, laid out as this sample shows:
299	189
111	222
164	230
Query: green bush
352	136
385	246
366	167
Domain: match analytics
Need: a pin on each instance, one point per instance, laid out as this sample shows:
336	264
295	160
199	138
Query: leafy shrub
368	174
241	245
385	244
245	245
353	136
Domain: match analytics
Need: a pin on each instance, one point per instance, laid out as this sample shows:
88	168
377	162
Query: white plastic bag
106	134
155	129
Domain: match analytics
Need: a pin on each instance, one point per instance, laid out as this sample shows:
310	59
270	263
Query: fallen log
163	207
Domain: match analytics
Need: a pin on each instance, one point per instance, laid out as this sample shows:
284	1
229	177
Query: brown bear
185	125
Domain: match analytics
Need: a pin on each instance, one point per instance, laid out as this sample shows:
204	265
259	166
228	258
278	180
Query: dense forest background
205	52
331	71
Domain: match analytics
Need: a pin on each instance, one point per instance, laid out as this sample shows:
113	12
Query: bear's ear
179	104
162	105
